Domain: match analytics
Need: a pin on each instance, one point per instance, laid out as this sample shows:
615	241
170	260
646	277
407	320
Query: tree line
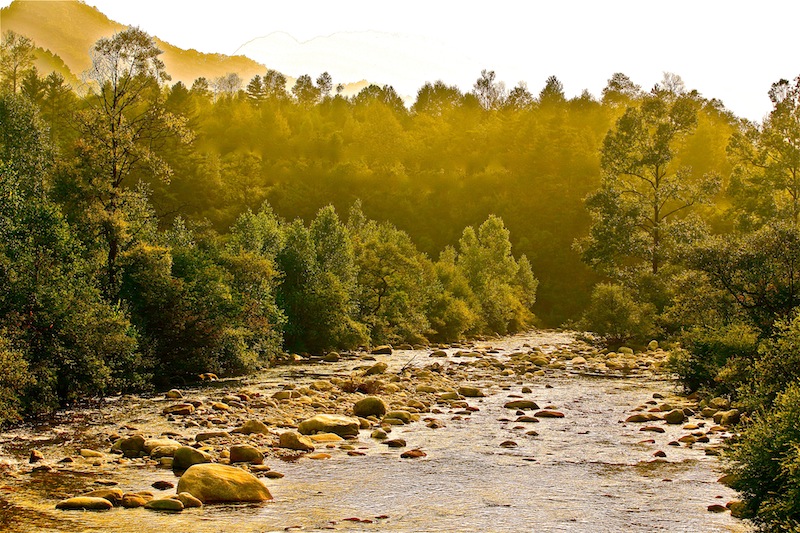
104	292
152	231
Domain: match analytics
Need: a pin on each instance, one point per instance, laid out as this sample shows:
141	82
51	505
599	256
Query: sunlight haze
709	44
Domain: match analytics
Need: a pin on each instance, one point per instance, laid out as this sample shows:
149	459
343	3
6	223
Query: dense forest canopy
153	230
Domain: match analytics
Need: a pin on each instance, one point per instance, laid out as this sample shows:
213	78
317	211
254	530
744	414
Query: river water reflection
586	472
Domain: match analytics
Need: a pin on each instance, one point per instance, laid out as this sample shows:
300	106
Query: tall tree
490	93
768	157
16	59
305	91
552	93
121	132
644	191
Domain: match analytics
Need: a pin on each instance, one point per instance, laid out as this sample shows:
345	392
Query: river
586	472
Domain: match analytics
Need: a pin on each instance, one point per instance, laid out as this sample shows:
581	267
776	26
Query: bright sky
727	49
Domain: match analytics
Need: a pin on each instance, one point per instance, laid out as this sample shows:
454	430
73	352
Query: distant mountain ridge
65	30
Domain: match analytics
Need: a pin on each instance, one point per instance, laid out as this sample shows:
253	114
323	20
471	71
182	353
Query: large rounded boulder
344	426
369	406
211	483
186	456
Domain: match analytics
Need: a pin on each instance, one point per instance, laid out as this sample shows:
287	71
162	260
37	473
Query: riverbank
570	462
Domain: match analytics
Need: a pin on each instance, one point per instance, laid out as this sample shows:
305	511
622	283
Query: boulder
164	451
344	426
85	503
448	396
384	349
403	416
471	392
642	417
521	404
369	406
132	501
165	504
325	437
151	444
676	416
112	495
188	500
186	456
332	357
129	446
540	360
222	483
719	403
206	435
182	409
730	417
292	440
244	453
413	454
252	426
377	368
549	413
174	394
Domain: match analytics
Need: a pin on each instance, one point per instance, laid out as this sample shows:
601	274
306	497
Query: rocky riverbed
531	432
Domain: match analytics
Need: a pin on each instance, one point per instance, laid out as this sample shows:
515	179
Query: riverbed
483	469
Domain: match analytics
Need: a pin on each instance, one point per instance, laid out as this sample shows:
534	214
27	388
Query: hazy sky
731	50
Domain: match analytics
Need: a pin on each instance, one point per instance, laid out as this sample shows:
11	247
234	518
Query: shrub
708	352
766	465
617	317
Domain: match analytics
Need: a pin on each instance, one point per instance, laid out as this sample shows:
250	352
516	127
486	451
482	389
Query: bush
708	355
766	465
617	317
14	378
775	367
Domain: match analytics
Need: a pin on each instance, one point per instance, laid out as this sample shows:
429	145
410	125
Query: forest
153	231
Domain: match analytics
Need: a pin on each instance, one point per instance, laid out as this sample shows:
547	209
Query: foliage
760	270
15	377
766	463
617	317
705	352
506	295
766	183
16	60
644	187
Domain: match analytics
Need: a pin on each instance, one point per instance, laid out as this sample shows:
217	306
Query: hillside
69	28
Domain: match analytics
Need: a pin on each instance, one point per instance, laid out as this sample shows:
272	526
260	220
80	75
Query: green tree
490	93
437	98
324	84
506	295
552	93
255	90
120	134
16	59
620	91
304	90
274	85
766	183
617	317
74	344
639	211
765	465
760	270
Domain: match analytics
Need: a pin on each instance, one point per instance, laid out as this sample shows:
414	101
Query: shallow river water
586	472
